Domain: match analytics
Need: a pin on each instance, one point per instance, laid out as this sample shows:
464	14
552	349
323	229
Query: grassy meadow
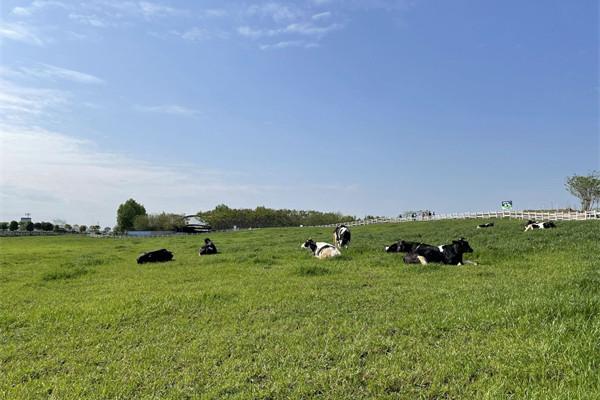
79	319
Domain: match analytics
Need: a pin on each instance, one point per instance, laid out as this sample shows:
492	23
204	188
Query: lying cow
341	236
488	225
539	225
403	246
321	250
161	255
451	254
208	248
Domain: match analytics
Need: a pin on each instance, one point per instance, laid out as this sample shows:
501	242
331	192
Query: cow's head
206	241
309	244
392	248
462	246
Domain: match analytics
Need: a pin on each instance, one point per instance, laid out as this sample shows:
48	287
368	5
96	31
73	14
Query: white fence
536	216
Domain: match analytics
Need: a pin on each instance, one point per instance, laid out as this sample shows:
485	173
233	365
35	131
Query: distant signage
507	205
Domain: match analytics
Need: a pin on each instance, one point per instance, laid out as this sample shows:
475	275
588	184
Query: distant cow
488	225
208	248
341	236
403	246
451	254
161	255
321	250
539	225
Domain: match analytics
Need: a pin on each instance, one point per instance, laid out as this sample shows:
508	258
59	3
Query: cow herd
415	252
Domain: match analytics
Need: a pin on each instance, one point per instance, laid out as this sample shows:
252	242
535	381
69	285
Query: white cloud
289	43
36	6
45	71
196	34
20	32
323	15
172	109
89	19
20	104
275	11
307	28
53	175
150	10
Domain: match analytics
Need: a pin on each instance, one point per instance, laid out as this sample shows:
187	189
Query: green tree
127	212
14	225
82	228
29	226
4	226
586	188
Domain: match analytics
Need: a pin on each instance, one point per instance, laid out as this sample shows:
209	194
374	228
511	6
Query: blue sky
362	107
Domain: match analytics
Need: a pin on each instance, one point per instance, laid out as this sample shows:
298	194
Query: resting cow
341	236
161	255
488	225
451	254
539	225
321	250
208	248
403	246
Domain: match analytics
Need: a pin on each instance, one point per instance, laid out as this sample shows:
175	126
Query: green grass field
80	319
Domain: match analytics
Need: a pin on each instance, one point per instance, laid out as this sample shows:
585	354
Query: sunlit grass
263	319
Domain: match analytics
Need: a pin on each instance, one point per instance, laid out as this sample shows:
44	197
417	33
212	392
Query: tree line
224	217
132	215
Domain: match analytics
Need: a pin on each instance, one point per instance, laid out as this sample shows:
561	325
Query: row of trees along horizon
30	226
132	215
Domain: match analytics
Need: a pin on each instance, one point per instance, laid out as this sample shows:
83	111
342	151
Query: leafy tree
29	226
14	225
586	188
82	228
3	226
68	228
127	212
95	228
37	226
47	226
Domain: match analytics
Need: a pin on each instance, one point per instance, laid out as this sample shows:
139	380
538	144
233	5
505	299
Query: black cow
161	255
539	225
488	225
451	254
341	236
208	248
403	246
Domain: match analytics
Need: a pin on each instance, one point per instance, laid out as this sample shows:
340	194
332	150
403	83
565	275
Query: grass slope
79	319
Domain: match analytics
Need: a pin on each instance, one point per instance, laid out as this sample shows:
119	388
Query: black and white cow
208	248
341	236
321	250
488	225
539	225
161	255
403	246
451	254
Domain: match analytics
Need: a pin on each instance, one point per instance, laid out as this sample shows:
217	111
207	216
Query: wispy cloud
323	15
89	19
53	175
36	6
20	32
289	43
198	33
23	105
156	10
275	11
46	71
172	109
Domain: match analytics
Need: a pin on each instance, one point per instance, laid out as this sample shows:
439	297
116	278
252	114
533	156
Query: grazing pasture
265	319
